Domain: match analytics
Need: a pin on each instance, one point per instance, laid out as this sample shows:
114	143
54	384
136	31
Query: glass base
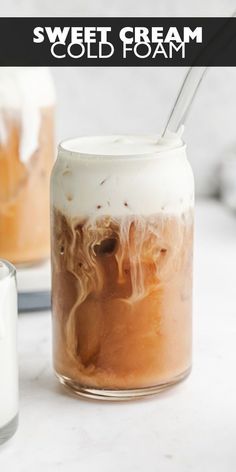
119	395
7	431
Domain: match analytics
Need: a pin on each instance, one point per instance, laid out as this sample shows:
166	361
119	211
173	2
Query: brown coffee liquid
24	192
122	299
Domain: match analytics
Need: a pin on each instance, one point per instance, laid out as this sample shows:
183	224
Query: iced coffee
122	235
26	158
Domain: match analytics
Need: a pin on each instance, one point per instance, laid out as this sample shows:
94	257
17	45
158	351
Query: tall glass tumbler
27	102
122	239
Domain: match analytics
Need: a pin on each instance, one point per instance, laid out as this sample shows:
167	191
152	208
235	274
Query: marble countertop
190	428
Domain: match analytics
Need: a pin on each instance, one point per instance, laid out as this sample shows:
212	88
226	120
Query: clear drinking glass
121	238
27	103
8	352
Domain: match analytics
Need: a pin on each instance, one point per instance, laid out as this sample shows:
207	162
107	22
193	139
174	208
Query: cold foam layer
21	86
24	91
122	146
122	176
8	354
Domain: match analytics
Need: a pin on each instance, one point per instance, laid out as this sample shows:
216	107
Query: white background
126	100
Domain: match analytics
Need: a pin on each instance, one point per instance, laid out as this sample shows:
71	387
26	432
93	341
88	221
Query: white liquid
8	353
24	91
122	176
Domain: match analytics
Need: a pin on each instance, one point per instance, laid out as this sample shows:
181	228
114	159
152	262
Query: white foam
122	175
24	91
121	145
8	353
21	85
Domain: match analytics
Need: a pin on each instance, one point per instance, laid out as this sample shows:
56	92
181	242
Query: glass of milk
8	352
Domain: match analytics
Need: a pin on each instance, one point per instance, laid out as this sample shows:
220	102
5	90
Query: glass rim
126	156
11	269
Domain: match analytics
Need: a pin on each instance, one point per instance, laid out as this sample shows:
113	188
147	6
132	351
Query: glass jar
8	352
122	236
26	157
